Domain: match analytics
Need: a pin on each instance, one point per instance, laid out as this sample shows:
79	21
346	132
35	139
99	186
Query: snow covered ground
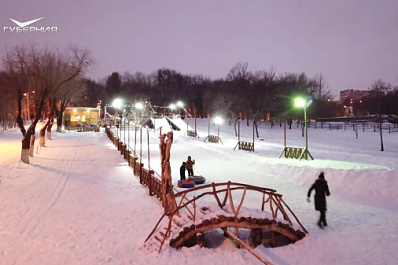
78	202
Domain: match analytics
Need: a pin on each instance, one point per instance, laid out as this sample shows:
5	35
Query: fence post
150	181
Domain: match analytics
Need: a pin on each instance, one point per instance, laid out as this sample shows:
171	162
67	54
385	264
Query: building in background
76	116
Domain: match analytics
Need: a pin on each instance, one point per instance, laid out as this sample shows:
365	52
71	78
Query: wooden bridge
188	221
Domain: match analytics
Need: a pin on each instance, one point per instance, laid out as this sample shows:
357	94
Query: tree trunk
59	121
43	132
26	146
235	123
32	145
256	127
49	129
42	140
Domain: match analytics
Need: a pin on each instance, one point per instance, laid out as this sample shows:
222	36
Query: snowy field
78	202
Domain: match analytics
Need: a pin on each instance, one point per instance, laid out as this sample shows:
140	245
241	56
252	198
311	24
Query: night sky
351	42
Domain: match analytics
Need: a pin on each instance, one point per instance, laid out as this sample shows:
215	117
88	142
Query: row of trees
241	94
53	76
244	94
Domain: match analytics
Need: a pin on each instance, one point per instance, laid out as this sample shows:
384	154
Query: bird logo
25	24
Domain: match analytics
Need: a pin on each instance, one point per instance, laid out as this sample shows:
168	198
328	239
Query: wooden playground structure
211	138
295	152
190	213
245	145
194	132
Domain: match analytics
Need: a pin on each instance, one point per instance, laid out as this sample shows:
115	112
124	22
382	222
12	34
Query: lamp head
299	102
217	120
303	102
139	105
117	103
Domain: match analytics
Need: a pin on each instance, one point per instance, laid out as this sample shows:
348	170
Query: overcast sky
351	42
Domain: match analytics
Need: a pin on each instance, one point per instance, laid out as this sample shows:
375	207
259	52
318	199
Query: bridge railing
270	198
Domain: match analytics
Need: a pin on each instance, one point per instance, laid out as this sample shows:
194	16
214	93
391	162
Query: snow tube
186	183
198	179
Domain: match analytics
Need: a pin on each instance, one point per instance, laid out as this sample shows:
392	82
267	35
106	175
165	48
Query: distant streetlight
139	105
304	103
180	105
27	101
117	103
218	121
172	107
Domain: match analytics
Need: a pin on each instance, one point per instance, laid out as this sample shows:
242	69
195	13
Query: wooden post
140	147
165	146
253	135
239	131
149	156
284	134
135	140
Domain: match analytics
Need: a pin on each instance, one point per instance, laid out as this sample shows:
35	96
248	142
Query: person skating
321	191
182	171
189	165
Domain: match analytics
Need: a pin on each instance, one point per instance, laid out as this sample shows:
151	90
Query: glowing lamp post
180	105
304	103
172	107
117	103
213	138
139	105
218	121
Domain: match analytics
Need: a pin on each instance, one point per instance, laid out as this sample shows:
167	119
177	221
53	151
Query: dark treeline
241	94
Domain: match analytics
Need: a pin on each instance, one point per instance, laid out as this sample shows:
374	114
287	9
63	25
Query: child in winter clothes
190	164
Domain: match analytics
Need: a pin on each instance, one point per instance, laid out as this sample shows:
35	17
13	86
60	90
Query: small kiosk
81	118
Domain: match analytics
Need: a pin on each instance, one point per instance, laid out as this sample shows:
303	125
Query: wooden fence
147	177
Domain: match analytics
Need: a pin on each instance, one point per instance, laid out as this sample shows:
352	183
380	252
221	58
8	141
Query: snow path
64	177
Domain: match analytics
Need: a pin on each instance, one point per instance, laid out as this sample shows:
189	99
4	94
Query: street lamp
213	138
27	101
139	105
218	121
117	103
172	107
180	105
304	103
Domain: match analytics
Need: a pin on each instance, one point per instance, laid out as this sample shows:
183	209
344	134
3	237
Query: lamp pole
27	102
306	129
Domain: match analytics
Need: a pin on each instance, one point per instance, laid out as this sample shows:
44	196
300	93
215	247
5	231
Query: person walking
182	171
190	164
321	191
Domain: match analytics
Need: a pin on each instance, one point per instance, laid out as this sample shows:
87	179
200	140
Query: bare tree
238	71
380	89
45	72
71	91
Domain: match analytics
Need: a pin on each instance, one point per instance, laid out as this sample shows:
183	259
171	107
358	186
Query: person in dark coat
321	191
182	171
